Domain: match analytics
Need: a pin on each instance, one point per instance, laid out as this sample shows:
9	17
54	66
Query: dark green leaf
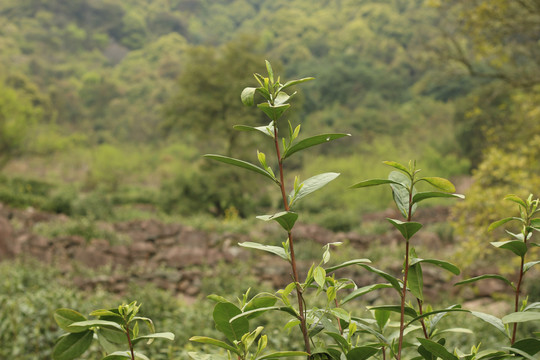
409	311
66	317
340	340
223	313
243	164
437	349
247	96
113	335
519	352
274	112
218	343
535	223
517	247
382	317
374	182
433	194
361	353
294	82
346	264
440	183
407	229
286	219
486	276
397	166
312	184
311	141
530	345
440	263
519	317
364	290
279	251
415	281
73	345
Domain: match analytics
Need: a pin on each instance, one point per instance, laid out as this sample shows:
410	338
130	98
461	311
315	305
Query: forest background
106	107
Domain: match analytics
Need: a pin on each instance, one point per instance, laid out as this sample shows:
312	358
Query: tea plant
117	332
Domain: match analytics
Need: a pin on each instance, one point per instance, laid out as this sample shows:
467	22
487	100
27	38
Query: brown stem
299	293
129	342
338	322
516	302
422	320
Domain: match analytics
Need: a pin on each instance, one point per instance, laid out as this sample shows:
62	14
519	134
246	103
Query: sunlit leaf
440	263
440	183
434	194
519	317
398	166
295	82
248	95
266	130
312	184
516	199
241	163
486	276
66	317
517	247
374	182
277	250
274	112
219	343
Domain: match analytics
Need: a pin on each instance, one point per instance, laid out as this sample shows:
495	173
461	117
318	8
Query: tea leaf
516	199
279	251
364	290
163	335
397	166
492	320
286	219
88	324
319	274
409	311
529	265
281	354
498	223
437	349
401	194
407	229
440	263
72	345
415	281
346	264
433	194
219	343
517	247
311	141
274	112
294	82
519	317
373	182
361	353
223	313
243	164
266	130
66	317
440	183
247	96
486	276
312	184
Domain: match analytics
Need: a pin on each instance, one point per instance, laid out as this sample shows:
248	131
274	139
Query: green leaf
88	324
312	184
286	219
498	223
106	312
274	112
243	164
374	182
281	354
248	314
269	70
361	353
517	247
486	276
340	340
440	183
406	228
364	290
516	199
519	317
382	317
66	317
437	349
397	166
415	281
434	194
279	251
442	312
247	96
529	265
259	303
492	320
294	82
223	313
319	274
409	311
400	193
535	223
282	97
119	355
346	264
163	335
395	282
530	345
218	343
440	263
311	141
199	356
519	352
266	130
113	335
73	345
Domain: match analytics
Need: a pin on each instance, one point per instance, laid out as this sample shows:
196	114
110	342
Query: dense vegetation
106	104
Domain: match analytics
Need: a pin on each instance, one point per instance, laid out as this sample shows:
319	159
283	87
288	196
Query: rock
7	245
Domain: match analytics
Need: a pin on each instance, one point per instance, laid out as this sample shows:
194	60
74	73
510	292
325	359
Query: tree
21	107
